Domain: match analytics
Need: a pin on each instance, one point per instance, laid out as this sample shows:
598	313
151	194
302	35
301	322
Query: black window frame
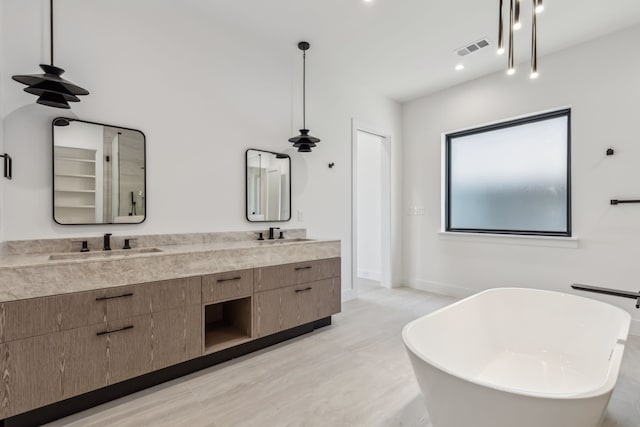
503	125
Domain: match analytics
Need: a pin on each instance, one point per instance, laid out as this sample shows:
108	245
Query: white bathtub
518	358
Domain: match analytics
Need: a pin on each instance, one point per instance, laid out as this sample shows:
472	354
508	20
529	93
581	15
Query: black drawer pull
115	330
304	268
303	290
229	280
117	296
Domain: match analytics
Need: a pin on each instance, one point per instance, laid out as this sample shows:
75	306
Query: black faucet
85	245
127	242
271	229
107	242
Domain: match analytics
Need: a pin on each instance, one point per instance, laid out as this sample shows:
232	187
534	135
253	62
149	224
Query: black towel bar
619	202
608	291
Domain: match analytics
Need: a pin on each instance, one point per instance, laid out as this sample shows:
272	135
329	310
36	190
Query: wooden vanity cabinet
58	347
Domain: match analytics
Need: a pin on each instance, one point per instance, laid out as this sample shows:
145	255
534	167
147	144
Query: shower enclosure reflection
268	186
98	173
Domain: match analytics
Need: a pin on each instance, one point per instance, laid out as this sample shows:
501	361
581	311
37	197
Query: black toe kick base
76	404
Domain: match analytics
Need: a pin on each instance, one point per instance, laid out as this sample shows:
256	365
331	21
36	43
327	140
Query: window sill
511	239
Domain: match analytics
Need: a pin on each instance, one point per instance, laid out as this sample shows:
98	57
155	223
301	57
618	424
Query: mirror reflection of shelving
75	184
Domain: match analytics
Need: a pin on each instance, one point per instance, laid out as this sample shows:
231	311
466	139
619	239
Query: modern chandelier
515	24
50	88
304	142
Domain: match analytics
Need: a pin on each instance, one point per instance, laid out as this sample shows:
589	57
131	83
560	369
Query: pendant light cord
304	89
51	28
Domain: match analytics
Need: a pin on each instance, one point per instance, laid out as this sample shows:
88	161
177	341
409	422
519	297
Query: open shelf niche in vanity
227	311
226	324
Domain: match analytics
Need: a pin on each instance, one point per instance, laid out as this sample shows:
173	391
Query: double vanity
84	321
81	328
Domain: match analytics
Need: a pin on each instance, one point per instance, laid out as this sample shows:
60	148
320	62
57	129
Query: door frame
385	246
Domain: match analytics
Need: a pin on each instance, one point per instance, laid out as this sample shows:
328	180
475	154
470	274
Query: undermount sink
283	241
103	254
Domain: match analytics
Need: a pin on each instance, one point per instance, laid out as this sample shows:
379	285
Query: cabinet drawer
293	274
134	300
228	285
39	316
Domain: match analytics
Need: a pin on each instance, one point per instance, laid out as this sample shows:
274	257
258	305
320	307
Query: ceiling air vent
473	47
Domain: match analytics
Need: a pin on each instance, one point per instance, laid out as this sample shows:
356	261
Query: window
511	177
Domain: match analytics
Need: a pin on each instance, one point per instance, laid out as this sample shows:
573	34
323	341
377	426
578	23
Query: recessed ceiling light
459	67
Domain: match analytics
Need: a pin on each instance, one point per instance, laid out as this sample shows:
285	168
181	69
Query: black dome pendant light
304	142
50	87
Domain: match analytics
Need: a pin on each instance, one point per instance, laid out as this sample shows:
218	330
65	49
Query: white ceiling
405	48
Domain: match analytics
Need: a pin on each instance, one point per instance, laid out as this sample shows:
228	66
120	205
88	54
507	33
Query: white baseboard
440	288
370	274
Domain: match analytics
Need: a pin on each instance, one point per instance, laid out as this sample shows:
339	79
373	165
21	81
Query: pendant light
510	67
304	142
52	90
534	41
515	24
501	29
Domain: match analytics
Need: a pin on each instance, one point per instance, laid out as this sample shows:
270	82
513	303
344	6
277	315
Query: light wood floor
353	373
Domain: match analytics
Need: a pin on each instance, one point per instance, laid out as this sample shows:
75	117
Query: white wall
600	81
203	93
369	203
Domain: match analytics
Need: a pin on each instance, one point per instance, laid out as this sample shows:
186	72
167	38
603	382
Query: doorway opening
371	209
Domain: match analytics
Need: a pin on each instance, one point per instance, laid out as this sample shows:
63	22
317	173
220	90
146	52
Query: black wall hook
331	165
610	152
8	166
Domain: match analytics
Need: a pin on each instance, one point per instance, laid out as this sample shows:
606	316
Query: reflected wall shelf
74	175
71	159
75	183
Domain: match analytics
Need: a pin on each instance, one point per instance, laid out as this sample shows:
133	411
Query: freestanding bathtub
514	357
